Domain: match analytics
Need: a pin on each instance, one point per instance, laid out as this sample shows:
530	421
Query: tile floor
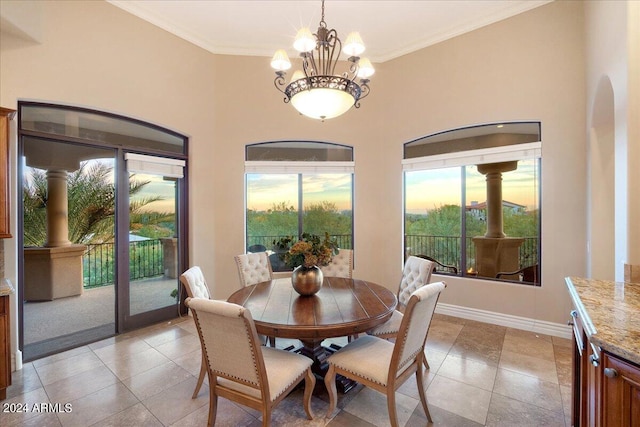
480	374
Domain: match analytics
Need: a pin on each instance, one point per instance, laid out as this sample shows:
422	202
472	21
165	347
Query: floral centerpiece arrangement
309	251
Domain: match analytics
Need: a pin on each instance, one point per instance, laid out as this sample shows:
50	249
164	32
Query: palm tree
91	198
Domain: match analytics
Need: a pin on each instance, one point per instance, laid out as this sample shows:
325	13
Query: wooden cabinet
606	388
5	347
606	381
586	377
620	392
6	115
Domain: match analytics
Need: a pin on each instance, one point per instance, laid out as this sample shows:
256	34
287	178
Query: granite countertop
610	312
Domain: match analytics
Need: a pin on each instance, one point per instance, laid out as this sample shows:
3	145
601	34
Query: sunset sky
265	190
430	189
425	190
157	186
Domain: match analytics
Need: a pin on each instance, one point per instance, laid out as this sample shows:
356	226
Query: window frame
520	150
282	165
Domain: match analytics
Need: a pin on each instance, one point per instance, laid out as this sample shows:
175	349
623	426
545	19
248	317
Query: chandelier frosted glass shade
304	41
316	90
323	97
353	46
280	61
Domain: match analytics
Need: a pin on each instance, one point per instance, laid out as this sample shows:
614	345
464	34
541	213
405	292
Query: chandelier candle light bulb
317	91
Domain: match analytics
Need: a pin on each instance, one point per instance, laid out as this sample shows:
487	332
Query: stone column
495	255
495	252
55	270
57	209
493	172
170	257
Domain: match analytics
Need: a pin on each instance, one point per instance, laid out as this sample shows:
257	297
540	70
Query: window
472	201
295	187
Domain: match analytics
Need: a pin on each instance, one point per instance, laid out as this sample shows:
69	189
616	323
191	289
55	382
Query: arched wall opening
601	176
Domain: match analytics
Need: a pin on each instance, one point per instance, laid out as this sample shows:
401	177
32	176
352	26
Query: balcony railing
447	250
146	259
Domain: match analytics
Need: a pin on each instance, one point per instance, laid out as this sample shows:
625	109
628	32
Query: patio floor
54	325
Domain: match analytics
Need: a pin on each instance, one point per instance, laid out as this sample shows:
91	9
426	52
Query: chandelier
317	91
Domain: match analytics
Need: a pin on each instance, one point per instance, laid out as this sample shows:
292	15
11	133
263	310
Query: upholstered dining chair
415	274
341	265
383	365
196	286
439	267
253	268
239	368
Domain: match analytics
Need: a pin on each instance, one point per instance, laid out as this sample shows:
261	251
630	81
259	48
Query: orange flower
311	251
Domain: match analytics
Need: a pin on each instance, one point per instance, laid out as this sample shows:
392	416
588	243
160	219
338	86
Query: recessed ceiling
389	28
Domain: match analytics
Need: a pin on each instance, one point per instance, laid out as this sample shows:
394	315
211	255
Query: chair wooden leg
266	415
330	384
422	392
309	385
391	406
424	359
213	408
203	372
272	342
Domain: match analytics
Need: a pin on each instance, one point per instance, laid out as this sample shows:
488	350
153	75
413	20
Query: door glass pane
153	243
68	255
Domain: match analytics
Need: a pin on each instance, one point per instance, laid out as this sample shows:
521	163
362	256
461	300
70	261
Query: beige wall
530	67
503	72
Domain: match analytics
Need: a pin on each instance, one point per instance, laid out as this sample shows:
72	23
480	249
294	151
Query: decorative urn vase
307	280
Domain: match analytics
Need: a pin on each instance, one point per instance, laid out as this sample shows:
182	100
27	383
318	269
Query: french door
67	285
152	246
103	226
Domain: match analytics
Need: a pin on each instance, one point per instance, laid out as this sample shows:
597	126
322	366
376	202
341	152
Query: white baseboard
16	361
524	323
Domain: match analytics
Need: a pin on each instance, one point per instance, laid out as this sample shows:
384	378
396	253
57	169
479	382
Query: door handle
574	314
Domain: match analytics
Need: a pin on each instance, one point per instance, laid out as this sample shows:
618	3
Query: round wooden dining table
342	307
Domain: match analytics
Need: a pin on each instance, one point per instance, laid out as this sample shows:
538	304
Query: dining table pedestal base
315	351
